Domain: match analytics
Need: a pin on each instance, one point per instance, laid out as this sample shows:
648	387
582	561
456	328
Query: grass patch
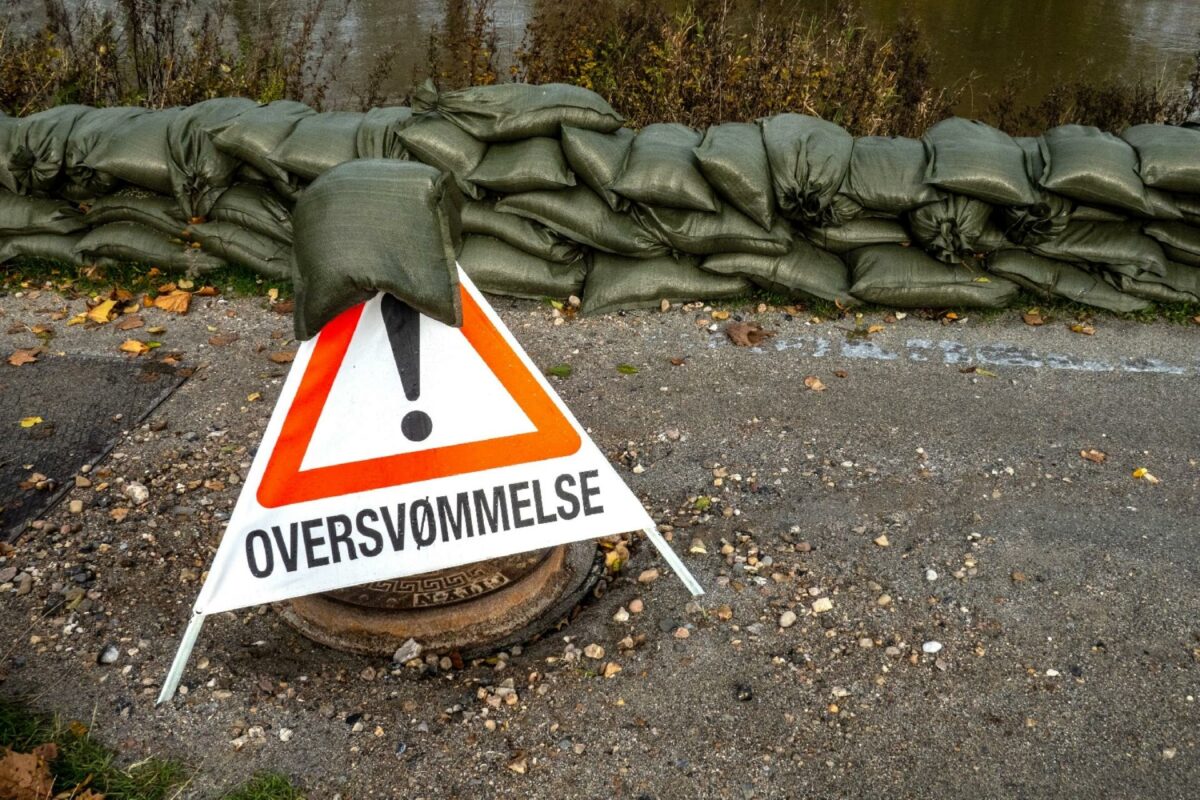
265	786
28	274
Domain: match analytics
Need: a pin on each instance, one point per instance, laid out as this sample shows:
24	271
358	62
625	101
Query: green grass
82	757
36	273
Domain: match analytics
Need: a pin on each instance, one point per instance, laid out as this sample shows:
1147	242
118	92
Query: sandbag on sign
904	277
379	134
57	248
529	165
974	159
580	215
733	159
1180	284
803	270
1180	241
809	159
481	217
510	111
955	228
1168	156
1089	165
138	244
20	215
199	171
1047	279
1120	246
254	134
597	159
255	209
1040	222
237	245
318	143
702	234
662	170
37	161
500	268
857	233
887	174
442	144
376	225
139	155
84	182
615	283
159	212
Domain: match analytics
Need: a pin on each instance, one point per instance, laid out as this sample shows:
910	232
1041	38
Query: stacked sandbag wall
558	199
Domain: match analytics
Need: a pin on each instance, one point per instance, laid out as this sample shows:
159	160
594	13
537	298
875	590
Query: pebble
136	492
931	575
882	540
883	600
787	619
743	692
594	651
648	576
108	655
7	574
621	616
682	633
75	506
285	734
821	605
931	647
636	606
407	652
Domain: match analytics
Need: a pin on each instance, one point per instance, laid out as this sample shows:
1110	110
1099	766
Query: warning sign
400	445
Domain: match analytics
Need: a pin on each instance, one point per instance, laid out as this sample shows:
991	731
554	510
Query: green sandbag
442	144
662	170
379	134
701	233
1048	279
481	217
581	216
1168	156
84	182
1031	149
1180	284
199	171
160	212
8	147
138	244
1180	241
803	270
21	215
237	245
376	225
955	228
529	165
973	159
1189	207
1119	246
1096	214
905	277
733	159
597	158
254	208
857	233
615	283
888	174
1162	205
318	143
1092	166
1039	222
500	268
139	155
254	134
510	111
809	160
57	248
37	161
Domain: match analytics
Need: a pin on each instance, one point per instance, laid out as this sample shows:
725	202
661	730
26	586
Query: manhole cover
85	402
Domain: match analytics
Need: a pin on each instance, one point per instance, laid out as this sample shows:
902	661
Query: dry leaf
134	346
841	373
1196	319
678	362
20	357
157	329
207	291
874	329
1033	317
222	339
1083	327
518	764
272	294
29	422
282	357
1093	455
176	302
814	383
25	776
747	334
100	313
254	397
286	307
167	288
78	319
720	316
129	323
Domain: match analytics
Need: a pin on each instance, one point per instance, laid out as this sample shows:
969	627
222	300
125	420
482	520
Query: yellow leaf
78	319
134	346
100	313
814	383
273	294
720	315
1140	473
157	329
254	397
1084	328
29	422
874	329
177	301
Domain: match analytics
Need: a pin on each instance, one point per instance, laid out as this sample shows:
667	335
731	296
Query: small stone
136	492
698	547
883	600
367	674
787	619
75	506
648	576
285	734
621	616
594	651
108	655
743	692
1052	673
407	652
931	575
1168	753
82	482
611	669
636	606
839	692
866	643
445	664
7	574
821	605
682	633
24	583
882	540
931	647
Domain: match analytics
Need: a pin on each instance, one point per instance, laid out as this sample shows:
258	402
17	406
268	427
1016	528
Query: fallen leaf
222	339
1196	319
29	422
272	294
78	319
157	329
1139	473
42	330
747	334
129	323
987	373
720	316
134	346
207	291
184	283
25	776
167	288
814	383
100	313
1033	317
254	397
282	357
285	307
678	362
611	669
518	764
20	357
627	369
874	329
841	373
560	371
1083	327
1093	455
176	302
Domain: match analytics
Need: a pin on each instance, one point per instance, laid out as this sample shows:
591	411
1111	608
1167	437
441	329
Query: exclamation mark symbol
403	325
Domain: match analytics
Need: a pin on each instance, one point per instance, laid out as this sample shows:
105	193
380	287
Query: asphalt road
1062	592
